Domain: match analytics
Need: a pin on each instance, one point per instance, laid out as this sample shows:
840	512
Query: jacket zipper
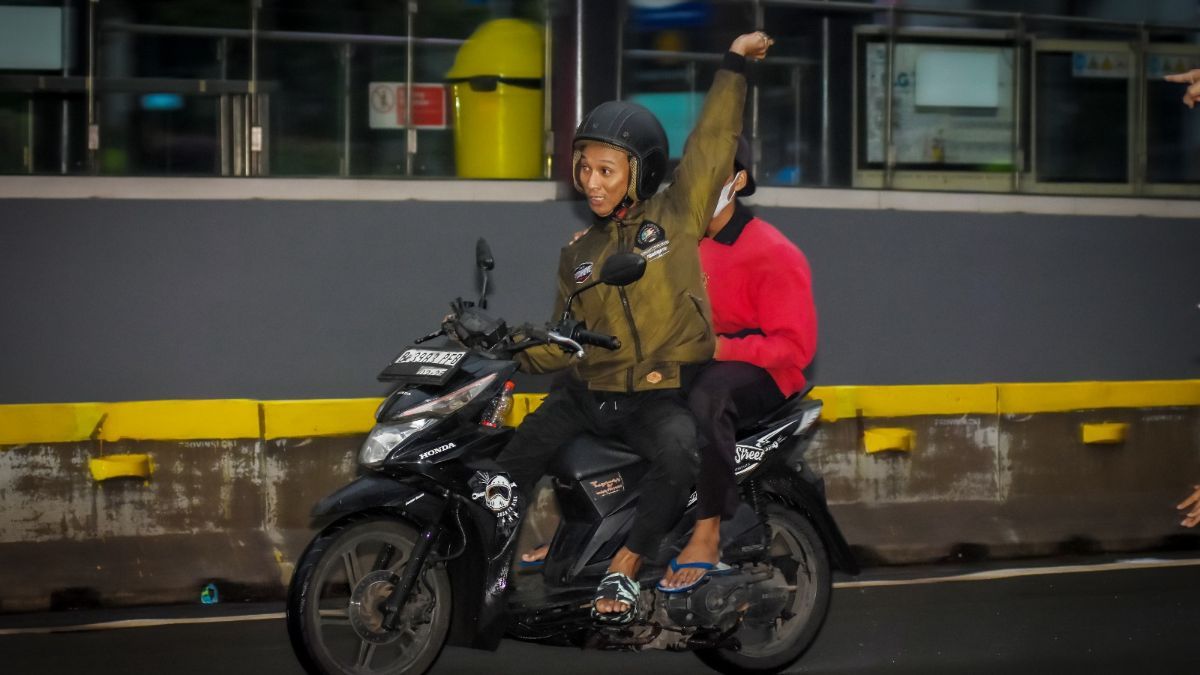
637	341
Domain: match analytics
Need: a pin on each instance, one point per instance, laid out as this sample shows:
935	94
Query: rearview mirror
622	269
483	255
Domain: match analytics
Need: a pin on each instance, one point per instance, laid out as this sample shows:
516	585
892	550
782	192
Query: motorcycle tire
340	582
798	551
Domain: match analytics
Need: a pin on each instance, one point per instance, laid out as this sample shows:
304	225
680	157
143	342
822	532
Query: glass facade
1018	98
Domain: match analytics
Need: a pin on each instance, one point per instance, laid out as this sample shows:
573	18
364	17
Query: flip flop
533	564
617	586
710	570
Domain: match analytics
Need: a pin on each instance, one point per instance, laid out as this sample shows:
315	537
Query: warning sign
387	105
1100	64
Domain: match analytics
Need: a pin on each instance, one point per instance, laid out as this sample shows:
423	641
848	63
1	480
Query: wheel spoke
335	617
366	651
353	571
384	558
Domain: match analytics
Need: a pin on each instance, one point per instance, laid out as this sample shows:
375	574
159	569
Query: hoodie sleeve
783	302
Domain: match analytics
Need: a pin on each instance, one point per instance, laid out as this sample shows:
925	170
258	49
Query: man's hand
753	46
1192	95
1192	501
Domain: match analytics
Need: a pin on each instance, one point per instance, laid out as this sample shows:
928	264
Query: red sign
388	105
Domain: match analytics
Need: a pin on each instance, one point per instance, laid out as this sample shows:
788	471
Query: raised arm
708	154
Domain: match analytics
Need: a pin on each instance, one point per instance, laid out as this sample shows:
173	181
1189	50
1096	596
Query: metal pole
1018	102
826	109
796	80
755	143
252	100
1138	136
64	134
547	100
410	144
223	141
346	52
93	143
889	153
29	149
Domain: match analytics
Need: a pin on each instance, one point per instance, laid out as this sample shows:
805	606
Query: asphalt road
1075	620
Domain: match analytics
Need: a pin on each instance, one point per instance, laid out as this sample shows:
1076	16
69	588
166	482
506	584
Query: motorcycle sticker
499	494
612	485
746	457
583	273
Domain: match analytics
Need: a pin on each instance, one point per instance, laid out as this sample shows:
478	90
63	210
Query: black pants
655	424
723	393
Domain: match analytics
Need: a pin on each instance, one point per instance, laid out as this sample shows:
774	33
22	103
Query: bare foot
704	546
536	555
626	562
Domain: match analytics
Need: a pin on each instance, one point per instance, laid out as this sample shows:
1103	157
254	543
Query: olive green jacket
663	320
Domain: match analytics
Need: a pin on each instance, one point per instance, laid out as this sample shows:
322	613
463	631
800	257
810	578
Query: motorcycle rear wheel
333	609
799	553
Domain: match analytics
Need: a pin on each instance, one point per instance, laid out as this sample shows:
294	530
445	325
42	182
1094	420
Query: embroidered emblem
583	272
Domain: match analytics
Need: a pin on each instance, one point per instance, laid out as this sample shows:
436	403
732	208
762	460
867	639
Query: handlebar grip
587	337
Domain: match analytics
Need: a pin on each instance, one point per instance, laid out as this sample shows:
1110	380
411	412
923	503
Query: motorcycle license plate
424	365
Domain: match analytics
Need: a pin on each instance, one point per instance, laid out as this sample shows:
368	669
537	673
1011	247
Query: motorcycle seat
588	455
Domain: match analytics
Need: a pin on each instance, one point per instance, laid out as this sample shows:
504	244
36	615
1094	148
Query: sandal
617	586
710	570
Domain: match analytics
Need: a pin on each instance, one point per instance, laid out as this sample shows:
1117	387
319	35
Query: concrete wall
138	300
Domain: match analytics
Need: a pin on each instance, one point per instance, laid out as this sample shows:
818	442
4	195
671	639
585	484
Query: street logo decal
499	494
609	486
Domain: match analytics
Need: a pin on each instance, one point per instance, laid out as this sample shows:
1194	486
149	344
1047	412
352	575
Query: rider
662	321
766	325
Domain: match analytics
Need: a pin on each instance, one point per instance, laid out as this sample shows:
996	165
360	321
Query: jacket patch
652	241
583	273
650	233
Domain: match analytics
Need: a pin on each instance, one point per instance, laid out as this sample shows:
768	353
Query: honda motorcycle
418	551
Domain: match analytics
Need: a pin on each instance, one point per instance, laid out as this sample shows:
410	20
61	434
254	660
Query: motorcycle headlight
444	405
385	438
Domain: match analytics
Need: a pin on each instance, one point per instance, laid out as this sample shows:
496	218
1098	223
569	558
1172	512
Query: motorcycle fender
809	498
467	572
373	491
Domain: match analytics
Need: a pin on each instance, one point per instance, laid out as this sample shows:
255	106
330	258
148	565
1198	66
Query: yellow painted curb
48	422
881	439
180	420
331	417
1017	399
237	418
121	466
1106	433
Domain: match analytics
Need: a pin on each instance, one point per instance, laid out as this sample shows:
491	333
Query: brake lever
438	333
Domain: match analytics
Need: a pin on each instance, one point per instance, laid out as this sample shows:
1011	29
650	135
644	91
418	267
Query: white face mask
726	196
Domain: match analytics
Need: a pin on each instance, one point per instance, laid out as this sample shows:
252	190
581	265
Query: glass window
1172	129
1082	114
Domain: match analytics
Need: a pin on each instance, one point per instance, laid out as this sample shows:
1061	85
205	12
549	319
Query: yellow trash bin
497	84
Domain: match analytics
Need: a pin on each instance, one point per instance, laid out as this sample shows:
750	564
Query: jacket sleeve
549	358
783	302
708	153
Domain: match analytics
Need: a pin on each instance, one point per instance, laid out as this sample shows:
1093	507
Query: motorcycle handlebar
587	337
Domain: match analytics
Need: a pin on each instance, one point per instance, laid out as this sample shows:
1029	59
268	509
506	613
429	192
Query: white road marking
989	575
993	575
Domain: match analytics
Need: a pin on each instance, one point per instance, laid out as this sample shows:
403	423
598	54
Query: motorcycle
417	552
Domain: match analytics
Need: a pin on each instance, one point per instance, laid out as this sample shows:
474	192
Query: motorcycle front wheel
797	552
334	616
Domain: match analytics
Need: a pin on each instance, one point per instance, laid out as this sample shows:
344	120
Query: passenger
662	321
760	288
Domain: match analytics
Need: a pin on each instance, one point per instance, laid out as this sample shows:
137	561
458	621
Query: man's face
604	176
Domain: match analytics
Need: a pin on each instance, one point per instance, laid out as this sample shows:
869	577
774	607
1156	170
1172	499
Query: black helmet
634	129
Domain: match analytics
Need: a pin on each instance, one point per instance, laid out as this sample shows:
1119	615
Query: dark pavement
1141	620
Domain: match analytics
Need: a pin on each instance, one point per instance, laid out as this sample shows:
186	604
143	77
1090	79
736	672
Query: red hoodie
760	287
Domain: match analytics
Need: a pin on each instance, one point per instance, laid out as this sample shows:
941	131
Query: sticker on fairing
499	494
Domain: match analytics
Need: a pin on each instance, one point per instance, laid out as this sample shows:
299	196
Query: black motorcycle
418	551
